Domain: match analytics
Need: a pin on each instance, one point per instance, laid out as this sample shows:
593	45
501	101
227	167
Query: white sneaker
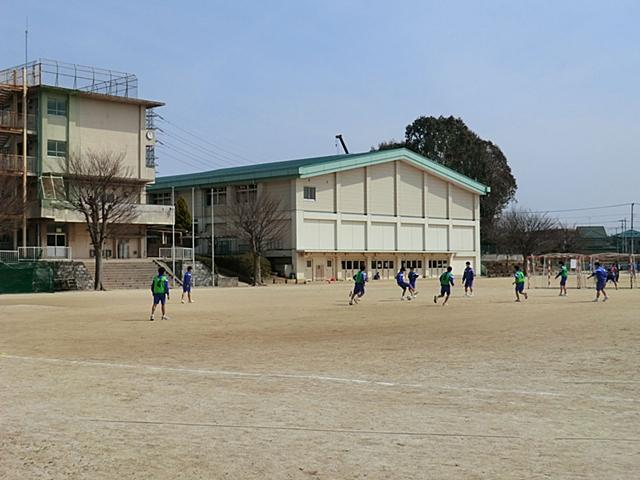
605	299
164	317
401	298
594	300
151	319
181	301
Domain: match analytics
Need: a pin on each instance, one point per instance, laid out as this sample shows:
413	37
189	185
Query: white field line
309	377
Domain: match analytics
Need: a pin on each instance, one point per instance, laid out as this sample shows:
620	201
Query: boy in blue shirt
519	281
402	283
413	278
467	278
358	289
160	291
186	284
601	281
564	275
446	282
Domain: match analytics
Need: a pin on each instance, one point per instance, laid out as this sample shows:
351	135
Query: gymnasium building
382	209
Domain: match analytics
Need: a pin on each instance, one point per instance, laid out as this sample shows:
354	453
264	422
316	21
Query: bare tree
259	221
526	233
11	203
102	190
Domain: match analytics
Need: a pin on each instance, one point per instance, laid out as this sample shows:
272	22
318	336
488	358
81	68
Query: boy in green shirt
519	282
563	274
446	282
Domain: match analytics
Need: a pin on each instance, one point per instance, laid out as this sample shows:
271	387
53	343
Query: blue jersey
413	276
468	275
400	278
601	274
186	279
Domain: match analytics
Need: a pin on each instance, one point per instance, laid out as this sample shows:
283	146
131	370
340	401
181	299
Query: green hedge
238	265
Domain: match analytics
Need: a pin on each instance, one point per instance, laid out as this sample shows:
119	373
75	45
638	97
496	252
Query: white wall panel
383	236
411	237
382	189
462	204
325	193
352	191
462	238
410	185
318	234
437	197
437	238
352	236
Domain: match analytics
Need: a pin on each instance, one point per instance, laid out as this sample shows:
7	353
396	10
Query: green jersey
446	278
564	271
519	276
160	285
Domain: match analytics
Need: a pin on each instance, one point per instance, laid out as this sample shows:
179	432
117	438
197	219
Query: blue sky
554	84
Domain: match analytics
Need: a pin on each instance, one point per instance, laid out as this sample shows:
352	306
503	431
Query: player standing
446	282
564	275
360	279
519	281
601	281
187	284
402	283
160	291
467	278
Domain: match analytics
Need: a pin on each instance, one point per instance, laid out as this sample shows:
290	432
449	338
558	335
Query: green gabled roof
310	167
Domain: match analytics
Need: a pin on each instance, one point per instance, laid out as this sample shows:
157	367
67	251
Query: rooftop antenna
344	146
26	42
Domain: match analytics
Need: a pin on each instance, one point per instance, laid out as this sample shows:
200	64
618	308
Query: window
219	196
309	193
344	265
349	265
160	198
56	148
373	265
53	188
246	193
391	264
329	263
57	106
150	156
309	264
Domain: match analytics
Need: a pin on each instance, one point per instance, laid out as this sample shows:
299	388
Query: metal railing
181	253
9	256
11	119
33	254
10	163
72	76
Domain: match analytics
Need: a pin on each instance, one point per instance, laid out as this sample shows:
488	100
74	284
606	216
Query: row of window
388	264
214	196
57	106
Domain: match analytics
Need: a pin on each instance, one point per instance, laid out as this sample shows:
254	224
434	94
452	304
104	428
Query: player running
402	283
519	281
187	284
601	281
160	291
613	275
446	282
564	275
467	279
413	278
358	289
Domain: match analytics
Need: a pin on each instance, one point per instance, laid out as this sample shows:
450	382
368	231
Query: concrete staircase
125	274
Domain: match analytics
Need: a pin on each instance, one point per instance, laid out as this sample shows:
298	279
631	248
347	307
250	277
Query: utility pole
633	253
24	154
173	235
213	246
344	145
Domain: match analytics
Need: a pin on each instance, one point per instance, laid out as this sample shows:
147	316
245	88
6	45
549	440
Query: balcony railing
13	164
32	254
15	120
180	253
60	211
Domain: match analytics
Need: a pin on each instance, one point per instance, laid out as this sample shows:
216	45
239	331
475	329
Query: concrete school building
50	110
381	209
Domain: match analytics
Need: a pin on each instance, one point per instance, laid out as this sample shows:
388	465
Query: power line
584	209
205	141
182	160
202	150
182	153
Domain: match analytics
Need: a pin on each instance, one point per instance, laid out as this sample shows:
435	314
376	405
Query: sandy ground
289	382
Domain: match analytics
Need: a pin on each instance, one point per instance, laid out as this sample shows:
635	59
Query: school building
381	209
50	110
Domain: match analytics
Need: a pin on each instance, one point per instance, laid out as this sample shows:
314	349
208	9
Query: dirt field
291	383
